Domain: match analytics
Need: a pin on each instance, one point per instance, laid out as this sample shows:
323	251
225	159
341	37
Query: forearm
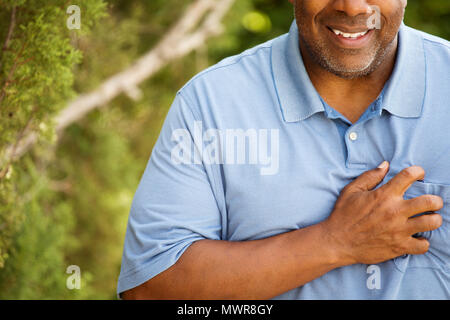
259	269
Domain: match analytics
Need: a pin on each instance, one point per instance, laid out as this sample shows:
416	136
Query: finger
424	223
369	179
421	204
404	179
418	245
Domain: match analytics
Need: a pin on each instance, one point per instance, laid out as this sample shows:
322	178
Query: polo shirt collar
403	95
405	90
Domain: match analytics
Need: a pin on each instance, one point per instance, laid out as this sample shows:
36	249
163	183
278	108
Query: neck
351	97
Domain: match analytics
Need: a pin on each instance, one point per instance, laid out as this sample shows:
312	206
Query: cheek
308	10
393	10
307	14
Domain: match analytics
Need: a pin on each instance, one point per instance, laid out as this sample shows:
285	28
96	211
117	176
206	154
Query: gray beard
320	55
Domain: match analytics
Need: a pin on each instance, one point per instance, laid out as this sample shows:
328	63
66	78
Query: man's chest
315	163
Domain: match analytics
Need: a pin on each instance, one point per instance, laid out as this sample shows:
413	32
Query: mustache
343	19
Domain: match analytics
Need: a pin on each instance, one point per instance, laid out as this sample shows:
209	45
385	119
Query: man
265	181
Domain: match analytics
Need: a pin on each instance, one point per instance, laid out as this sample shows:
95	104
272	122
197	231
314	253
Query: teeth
350	35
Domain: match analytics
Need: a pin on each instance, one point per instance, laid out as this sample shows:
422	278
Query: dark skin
348	77
365	226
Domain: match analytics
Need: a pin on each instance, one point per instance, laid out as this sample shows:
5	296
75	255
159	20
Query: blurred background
84	91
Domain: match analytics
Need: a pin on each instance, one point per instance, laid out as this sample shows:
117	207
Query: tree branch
16	64
179	41
12	25
13	149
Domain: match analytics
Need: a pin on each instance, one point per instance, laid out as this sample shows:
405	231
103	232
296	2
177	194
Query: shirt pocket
438	255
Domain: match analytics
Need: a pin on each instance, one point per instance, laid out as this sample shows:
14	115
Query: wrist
336	249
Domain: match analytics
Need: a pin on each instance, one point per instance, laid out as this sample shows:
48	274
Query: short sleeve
174	204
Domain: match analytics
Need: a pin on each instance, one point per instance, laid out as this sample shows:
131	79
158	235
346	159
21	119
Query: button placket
356	148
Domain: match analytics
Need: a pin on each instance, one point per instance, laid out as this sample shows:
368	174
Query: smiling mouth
348	35
359	38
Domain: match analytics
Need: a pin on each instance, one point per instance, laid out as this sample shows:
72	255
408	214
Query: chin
350	71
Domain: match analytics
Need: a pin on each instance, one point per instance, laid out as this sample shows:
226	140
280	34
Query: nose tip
352	7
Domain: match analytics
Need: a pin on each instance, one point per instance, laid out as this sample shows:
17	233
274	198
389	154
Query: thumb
370	179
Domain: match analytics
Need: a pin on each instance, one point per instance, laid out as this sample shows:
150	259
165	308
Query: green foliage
36	78
432	16
68	204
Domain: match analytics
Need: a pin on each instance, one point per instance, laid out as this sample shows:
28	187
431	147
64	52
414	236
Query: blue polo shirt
250	150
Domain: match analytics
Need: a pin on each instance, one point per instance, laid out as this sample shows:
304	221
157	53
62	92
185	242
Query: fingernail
383	165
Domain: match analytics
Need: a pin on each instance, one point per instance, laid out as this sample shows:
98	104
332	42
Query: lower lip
354	43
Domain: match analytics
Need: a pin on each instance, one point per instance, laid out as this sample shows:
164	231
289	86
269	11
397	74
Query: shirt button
353	136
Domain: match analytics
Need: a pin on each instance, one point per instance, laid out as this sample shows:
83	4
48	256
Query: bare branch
60	186
178	42
12	25
13	149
